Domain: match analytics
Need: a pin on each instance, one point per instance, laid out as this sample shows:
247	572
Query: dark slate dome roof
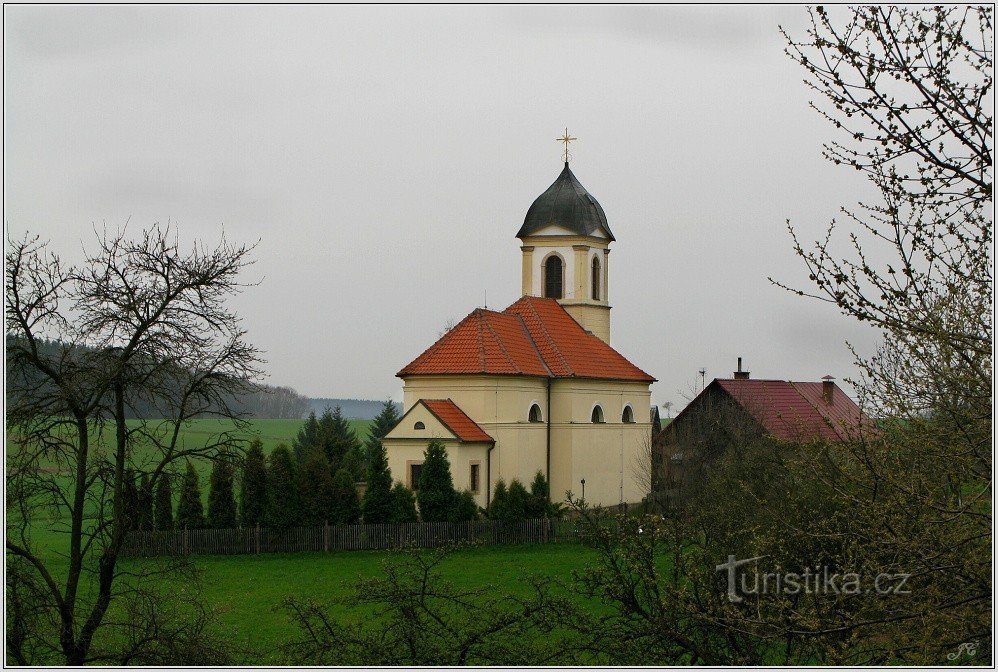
567	204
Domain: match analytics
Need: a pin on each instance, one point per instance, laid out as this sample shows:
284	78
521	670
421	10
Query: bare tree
141	321
424	620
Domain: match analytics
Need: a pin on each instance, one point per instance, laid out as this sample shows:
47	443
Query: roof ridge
502	346
554	345
481	341
533	344
817	409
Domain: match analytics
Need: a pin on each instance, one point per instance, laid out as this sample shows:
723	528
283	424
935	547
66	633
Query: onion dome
566	204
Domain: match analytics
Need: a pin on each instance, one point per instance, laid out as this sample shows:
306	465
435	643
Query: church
537	386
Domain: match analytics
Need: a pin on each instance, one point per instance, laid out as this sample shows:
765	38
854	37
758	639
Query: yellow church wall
607	455
594	318
404	452
501	407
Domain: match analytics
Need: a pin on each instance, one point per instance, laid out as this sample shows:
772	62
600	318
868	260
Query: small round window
419	425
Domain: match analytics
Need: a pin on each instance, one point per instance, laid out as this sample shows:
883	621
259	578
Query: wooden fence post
325	536
185	541
257	538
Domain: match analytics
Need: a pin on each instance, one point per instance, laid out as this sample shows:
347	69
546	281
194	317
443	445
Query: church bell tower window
554	271
596	279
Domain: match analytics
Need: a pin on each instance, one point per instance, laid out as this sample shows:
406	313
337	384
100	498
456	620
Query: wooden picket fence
241	541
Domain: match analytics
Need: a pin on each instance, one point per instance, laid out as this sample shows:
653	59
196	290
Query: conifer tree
221	498
377	505
308	437
283	508
340	442
386	420
465	508
130	499
190	510
316	489
403	505
517	501
538	505
436	494
253	487
144	504
346	504
164	503
498	507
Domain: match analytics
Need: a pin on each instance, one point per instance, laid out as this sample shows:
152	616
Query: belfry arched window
554	271
596	279
535	414
627	415
598	415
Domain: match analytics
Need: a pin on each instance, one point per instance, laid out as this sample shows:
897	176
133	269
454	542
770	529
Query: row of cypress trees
148	509
314	482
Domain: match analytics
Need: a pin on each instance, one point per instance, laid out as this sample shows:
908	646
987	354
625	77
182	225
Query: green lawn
247	588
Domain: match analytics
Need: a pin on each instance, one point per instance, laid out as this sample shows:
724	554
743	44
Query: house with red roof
741	409
536	387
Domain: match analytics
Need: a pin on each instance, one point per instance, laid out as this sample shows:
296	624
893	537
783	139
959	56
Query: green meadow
247	590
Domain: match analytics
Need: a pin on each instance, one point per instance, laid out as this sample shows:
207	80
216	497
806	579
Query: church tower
566	246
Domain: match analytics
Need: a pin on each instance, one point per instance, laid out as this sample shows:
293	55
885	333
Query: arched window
596	279
535	414
419	425
627	415
598	414
553	277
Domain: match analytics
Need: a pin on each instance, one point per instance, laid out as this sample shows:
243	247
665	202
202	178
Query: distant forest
265	401
355	409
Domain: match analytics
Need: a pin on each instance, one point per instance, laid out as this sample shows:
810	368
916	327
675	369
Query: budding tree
142	321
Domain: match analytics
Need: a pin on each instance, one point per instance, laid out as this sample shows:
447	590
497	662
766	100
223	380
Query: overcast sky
386	156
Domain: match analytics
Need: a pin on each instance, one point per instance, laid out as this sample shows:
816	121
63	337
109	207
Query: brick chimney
827	389
739	374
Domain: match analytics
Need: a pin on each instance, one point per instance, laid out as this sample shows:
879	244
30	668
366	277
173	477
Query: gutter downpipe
549	439
488	475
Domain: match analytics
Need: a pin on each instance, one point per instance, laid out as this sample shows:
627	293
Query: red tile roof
456	420
483	342
533	337
795	411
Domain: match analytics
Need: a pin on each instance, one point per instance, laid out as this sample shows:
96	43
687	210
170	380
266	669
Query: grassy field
247	588
49	533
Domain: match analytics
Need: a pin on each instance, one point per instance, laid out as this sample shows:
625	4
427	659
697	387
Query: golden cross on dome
566	139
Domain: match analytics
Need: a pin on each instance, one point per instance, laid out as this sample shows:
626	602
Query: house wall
501	407
404	452
612	456
609	456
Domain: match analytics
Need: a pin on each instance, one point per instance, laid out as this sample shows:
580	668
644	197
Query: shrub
345	503
465	508
316	488
164	503
221	498
436	494
403	505
190	510
499	504
144	504
377	506
253	487
283	507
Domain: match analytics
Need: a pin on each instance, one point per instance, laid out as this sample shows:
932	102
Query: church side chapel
537	386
